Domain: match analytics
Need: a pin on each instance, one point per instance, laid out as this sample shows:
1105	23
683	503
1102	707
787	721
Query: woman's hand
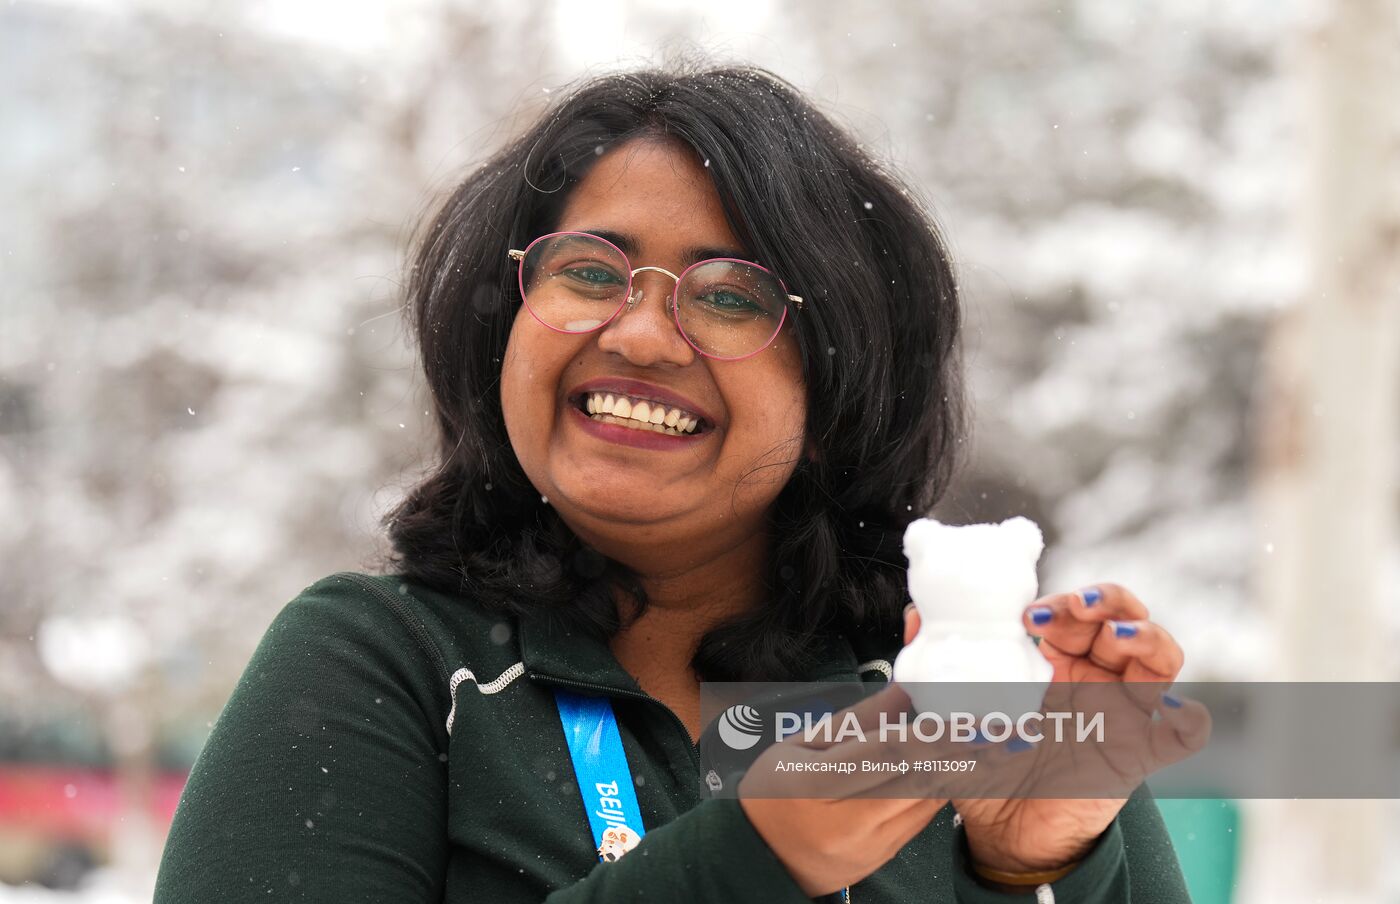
833	841
1099	634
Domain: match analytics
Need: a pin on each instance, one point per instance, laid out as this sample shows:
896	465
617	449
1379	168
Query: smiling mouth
640	414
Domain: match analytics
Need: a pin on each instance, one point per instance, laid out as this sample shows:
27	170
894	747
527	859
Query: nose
644	331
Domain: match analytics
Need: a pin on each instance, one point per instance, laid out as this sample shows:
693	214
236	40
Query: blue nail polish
1016	745
1171	701
1123	629
1091	596
1041	615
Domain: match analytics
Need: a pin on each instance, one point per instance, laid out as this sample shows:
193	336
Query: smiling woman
819	431
694	364
693	526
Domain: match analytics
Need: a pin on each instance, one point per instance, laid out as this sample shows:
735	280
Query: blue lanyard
604	779
600	766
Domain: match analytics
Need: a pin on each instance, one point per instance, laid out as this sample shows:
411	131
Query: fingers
891	700
1183	730
1072	621
1140	650
1107	625
838	768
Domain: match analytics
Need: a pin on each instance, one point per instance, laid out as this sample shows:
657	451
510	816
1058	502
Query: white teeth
638	425
641	414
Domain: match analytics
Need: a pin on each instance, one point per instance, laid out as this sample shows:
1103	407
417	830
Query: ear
809	451
1027	534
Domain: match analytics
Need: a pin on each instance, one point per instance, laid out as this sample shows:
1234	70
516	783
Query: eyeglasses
726	308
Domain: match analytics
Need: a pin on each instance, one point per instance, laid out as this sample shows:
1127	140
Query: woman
693	360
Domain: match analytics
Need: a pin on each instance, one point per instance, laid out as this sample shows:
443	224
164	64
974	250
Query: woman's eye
593	275
731	302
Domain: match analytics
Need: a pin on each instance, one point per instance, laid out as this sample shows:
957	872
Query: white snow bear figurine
970	585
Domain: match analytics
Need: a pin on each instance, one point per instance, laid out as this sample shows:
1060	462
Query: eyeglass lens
576	283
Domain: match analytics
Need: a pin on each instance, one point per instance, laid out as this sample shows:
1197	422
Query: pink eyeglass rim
519	257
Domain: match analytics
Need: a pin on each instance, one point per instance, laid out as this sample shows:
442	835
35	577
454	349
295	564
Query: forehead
658	191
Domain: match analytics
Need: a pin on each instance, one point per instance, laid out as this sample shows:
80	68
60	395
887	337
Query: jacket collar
551	650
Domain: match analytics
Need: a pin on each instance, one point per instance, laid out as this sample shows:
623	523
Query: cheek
532	371
793	416
791	401
525	388
514	379
771	403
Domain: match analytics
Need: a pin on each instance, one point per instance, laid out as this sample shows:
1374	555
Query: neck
686	597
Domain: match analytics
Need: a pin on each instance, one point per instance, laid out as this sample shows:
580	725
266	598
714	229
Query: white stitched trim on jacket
880	665
489	687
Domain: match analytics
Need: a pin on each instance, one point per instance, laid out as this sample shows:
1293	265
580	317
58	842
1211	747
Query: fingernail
1123	629
1041	615
1016	745
1090	595
1171	701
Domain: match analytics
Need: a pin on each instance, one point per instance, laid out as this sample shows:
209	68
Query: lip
637	389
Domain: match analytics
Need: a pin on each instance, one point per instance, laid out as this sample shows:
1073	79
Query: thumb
891	701
911	623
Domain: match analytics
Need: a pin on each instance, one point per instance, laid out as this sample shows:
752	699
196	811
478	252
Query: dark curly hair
879	339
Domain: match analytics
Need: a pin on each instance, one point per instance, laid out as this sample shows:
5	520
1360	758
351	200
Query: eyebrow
629	246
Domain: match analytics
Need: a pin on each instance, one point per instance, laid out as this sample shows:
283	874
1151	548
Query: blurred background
1178	231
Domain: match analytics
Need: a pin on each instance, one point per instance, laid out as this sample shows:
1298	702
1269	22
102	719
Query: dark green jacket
388	743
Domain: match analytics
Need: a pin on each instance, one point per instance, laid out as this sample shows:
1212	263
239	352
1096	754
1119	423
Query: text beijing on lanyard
604	778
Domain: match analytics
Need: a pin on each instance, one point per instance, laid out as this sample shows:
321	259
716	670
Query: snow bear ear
1026	534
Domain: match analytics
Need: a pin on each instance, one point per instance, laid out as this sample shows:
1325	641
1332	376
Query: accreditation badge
617	840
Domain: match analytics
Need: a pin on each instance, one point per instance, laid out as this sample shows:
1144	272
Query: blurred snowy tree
205	397
204	380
